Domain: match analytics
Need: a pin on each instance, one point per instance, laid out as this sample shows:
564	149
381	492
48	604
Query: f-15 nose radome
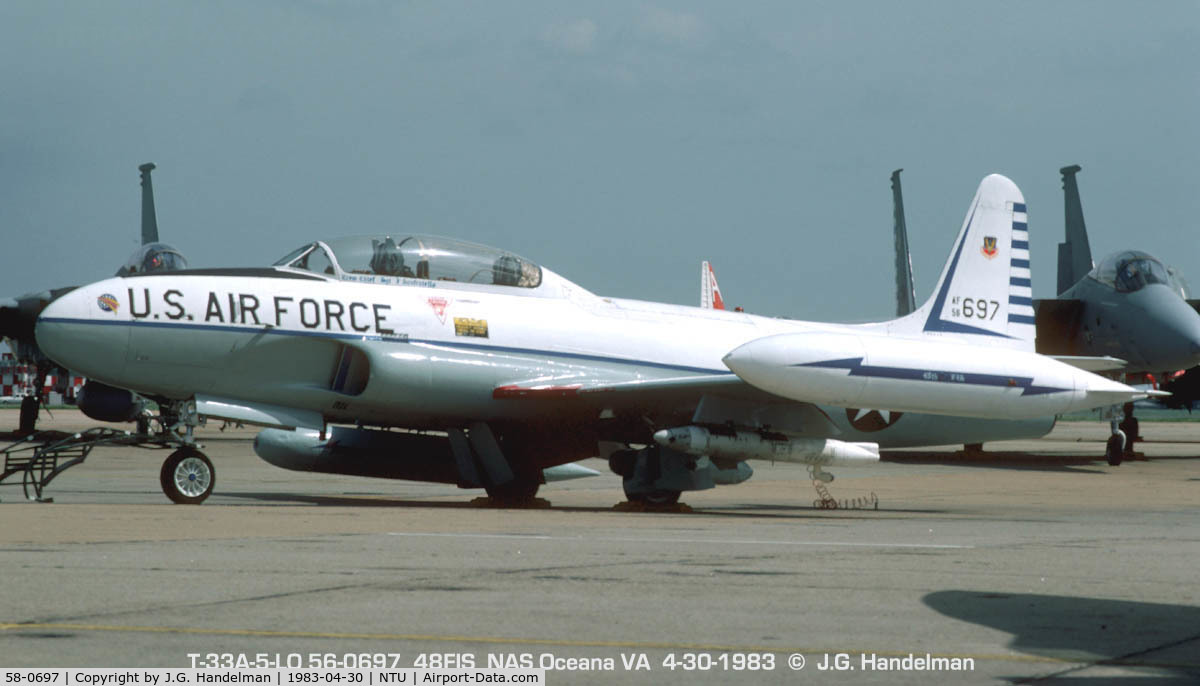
920	375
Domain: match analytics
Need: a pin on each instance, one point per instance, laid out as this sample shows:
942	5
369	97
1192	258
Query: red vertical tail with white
710	292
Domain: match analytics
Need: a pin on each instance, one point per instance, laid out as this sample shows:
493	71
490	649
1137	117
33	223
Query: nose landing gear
187	476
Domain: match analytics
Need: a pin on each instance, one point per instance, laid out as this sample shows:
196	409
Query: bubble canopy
153	257
432	258
1130	271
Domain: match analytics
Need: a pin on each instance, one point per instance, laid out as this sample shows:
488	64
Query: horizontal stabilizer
1104	363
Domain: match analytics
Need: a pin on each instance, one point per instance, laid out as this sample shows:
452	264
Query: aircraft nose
86	332
1172	326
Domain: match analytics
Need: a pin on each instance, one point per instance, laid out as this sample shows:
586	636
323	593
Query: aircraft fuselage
427	354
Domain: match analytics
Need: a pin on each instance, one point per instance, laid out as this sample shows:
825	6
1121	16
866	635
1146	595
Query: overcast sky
616	143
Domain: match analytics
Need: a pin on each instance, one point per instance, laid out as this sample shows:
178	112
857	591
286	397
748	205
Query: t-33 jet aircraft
446	361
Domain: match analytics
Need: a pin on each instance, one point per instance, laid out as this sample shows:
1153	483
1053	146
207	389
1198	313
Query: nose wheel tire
1130	426
187	476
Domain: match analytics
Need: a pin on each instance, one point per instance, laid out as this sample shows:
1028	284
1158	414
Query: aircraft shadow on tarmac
1079	464
1164	639
758	511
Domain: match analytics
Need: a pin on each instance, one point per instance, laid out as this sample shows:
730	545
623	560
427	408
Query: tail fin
985	291
1074	254
906	293
149	220
710	292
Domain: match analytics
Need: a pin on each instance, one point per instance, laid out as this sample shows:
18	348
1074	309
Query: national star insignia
885	415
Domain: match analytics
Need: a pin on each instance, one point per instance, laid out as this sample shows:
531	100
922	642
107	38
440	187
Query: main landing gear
654	477
643	478
521	491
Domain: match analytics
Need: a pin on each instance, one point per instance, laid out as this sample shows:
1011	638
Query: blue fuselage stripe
857	368
1020	300
392	339
1020	245
1021	319
1018	281
1020	264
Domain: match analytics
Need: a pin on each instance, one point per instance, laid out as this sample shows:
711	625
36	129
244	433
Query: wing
721	399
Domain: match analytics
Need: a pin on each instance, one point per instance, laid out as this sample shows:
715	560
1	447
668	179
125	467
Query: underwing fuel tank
360	452
374	453
920	375
748	445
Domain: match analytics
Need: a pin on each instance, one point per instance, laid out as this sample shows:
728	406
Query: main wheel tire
29	415
516	491
1113	450
661	497
187	476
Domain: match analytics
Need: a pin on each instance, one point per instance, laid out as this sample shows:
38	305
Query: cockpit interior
153	257
1130	271
431	258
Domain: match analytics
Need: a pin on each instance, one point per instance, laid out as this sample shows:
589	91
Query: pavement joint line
500	640
636	539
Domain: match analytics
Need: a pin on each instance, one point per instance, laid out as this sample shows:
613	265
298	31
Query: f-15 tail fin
1074	254
149	220
906	293
985	290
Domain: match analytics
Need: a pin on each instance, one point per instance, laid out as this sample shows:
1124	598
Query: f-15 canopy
416	257
153	257
1130	271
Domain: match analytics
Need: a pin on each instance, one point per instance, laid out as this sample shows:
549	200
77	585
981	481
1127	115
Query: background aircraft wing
1103	363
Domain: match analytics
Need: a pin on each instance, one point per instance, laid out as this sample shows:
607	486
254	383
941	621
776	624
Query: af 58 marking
974	308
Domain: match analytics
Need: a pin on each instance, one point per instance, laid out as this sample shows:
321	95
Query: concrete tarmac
1038	562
